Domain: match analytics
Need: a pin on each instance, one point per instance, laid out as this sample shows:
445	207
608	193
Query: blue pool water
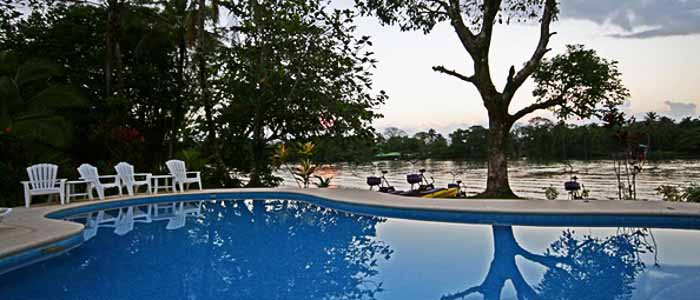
281	249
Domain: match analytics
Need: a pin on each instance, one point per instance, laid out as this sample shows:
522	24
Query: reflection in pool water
293	250
608	266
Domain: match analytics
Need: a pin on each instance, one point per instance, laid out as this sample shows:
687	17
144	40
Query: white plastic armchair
181	177
42	181
127	178
89	173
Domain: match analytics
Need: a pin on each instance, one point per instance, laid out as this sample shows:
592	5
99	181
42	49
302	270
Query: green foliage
147	107
545	140
691	193
297	72
155	103
585	193
35	104
352	149
305	169
471	143
672	193
578	83
193	158
31	102
551	193
584	258
323	182
425	144
424	15
300	94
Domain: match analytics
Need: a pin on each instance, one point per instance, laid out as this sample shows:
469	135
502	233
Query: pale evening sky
657	44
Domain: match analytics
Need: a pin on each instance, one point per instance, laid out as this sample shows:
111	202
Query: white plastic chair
181	176
89	173
42	181
95	220
181	211
127	178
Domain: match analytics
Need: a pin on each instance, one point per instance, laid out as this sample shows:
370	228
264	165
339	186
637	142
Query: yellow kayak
443	193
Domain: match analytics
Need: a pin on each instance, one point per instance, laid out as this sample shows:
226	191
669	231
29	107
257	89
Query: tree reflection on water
279	249
584	267
289	250
235	250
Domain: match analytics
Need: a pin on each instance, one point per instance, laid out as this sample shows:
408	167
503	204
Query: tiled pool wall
34	255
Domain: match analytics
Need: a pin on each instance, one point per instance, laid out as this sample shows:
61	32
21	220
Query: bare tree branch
465	35
431	11
454	73
536	106
515	81
462	294
491	8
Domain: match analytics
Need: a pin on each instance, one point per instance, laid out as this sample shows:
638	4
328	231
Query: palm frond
9	94
33	71
52	130
56	96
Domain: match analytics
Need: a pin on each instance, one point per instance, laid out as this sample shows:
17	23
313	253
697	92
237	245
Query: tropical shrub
672	193
34	104
551	193
691	193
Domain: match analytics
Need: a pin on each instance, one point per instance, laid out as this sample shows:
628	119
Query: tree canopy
214	82
296	72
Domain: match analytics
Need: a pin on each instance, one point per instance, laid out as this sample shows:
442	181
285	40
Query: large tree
574	84
296	72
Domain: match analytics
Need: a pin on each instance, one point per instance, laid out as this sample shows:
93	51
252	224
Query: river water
527	179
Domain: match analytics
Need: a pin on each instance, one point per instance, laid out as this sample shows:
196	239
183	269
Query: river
527	179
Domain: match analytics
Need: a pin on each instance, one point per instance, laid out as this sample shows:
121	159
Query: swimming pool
286	249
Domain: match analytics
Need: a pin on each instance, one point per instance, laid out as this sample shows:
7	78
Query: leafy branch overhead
577	83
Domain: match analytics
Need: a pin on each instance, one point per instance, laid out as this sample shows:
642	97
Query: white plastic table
166	179
70	189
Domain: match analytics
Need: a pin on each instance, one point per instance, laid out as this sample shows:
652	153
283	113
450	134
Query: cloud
679	110
674	109
639	18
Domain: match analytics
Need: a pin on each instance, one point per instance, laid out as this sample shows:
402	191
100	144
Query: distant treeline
539	139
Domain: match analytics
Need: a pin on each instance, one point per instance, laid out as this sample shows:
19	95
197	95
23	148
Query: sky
656	42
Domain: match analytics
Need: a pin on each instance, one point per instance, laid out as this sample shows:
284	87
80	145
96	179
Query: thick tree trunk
497	185
113	52
212	147
478	46
259	165
178	117
202	68
109	52
259	155
503	268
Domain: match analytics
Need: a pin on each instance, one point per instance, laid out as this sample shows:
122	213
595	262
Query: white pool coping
29	228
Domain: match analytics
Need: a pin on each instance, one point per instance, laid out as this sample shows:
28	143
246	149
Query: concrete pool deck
29	228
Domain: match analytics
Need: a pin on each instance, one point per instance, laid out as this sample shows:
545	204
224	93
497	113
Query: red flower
128	135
